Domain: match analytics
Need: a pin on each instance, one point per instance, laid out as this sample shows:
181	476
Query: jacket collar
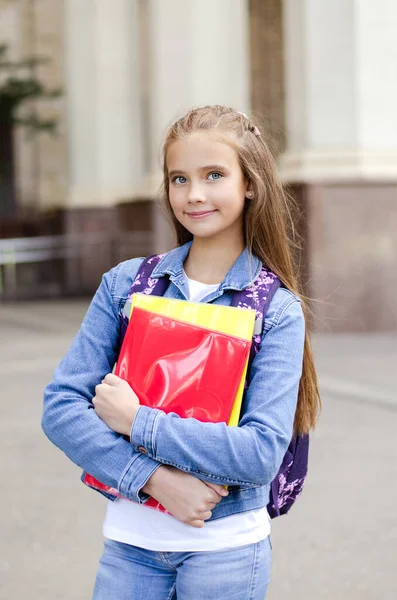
242	273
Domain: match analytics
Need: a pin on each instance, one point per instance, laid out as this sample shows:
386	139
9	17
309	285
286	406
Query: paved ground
339	543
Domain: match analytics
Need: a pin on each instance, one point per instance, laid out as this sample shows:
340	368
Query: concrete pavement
339	542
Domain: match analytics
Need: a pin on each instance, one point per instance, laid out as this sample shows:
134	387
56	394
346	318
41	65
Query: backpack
287	486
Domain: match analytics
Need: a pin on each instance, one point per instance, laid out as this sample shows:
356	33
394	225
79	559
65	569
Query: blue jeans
131	573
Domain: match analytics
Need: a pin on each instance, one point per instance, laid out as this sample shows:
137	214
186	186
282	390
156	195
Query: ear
248	191
249	194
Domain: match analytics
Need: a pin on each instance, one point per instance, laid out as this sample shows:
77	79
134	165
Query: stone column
104	124
267	69
104	121
341	155
35	29
198	55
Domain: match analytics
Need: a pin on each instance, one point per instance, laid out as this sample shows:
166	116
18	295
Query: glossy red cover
182	368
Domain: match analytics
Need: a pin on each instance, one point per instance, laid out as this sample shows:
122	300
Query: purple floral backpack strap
258	297
144	284
287	486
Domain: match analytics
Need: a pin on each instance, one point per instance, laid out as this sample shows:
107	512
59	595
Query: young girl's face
207	188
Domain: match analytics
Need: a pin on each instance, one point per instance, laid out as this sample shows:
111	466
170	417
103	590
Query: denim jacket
246	458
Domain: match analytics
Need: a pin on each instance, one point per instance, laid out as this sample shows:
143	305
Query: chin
206	235
201	230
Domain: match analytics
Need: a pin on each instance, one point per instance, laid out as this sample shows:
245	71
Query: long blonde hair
268	223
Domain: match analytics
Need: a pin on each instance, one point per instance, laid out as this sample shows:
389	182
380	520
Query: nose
196	194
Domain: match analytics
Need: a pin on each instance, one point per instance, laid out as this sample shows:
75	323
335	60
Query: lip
201	214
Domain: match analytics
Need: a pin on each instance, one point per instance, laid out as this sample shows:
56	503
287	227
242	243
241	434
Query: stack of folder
187	358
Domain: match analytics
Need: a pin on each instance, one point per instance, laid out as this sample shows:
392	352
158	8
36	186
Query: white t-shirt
139	525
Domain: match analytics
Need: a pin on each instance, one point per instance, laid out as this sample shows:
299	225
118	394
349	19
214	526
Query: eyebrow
206	168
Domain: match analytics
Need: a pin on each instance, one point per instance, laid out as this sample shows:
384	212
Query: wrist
154	481
129	421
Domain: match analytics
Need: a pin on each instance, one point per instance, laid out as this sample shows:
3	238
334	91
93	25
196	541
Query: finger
206	515
101	389
214	496
96	400
211	502
219	489
113	380
197	523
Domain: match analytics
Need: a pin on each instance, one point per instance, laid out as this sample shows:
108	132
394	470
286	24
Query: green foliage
21	85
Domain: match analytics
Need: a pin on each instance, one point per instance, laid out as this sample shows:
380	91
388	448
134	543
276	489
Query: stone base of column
100	238
350	254
91	234
82	244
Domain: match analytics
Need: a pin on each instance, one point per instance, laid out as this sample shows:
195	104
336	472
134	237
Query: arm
187	498
251	453
69	420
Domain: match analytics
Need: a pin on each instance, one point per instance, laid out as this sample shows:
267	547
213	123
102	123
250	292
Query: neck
209	260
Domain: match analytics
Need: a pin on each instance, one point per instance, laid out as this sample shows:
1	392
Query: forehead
199	149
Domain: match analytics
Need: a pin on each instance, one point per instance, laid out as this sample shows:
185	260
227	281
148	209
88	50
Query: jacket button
142	449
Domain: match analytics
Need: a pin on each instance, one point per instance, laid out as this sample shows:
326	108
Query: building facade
320	73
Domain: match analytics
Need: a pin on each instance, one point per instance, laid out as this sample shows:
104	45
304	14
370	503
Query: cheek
231	196
175	200
231	188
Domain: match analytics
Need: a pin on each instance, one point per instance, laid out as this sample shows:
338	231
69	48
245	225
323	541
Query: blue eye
218	176
175	180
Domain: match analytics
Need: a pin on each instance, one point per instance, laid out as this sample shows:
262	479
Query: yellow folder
238	322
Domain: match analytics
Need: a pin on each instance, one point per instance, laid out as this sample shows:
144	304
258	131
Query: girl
230	216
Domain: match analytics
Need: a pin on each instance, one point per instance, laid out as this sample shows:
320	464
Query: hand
187	498
116	403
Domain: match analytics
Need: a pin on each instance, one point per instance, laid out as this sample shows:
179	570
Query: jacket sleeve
251	453
69	420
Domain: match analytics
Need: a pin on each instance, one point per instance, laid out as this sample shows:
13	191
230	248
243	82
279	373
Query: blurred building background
321	73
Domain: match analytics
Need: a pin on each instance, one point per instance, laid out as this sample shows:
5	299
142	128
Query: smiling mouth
200	215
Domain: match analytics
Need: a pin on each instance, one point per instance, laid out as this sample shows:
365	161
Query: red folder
182	368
